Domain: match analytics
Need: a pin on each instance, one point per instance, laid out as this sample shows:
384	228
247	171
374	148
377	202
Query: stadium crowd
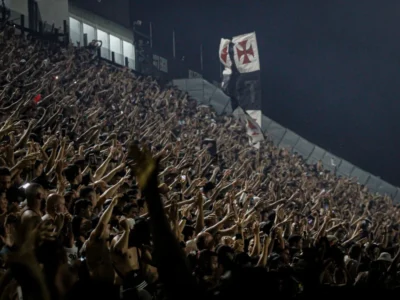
110	188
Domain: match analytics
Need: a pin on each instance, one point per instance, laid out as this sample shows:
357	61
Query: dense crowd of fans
111	186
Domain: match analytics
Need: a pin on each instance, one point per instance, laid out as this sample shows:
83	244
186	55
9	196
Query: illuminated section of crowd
107	189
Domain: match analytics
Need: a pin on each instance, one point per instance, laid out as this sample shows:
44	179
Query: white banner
253	128
256	116
246	53
224	53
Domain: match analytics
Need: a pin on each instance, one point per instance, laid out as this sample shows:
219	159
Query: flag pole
201	57
173	44
151	35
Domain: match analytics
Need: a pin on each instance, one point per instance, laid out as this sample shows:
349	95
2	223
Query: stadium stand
109	188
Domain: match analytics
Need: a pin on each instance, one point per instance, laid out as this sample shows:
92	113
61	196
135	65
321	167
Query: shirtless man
96	247
55	204
35	196
56	212
128	261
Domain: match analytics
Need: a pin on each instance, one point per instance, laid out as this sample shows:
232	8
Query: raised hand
145	167
115	199
256	228
239	222
59	167
200	199
123	222
200	182
258	203
227	173
59	222
217	205
186	211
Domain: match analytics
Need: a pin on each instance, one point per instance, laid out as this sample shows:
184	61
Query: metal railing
43	30
207	93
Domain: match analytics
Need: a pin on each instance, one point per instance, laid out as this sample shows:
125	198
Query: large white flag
246	53
224	53
225	59
242	83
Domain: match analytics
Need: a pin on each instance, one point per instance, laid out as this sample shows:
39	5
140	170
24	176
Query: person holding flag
241	80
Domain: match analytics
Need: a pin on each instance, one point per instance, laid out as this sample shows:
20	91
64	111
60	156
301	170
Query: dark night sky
329	68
